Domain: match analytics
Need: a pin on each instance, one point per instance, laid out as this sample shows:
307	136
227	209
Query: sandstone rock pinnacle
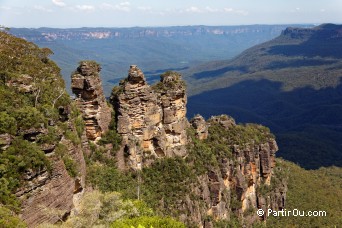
86	85
151	120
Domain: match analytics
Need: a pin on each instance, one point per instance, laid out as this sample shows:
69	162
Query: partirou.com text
293	212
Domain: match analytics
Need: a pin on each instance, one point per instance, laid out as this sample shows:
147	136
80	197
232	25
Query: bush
7	124
14	161
9	220
70	165
148	222
29	117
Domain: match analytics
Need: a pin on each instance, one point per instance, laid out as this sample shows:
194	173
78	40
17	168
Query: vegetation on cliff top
31	92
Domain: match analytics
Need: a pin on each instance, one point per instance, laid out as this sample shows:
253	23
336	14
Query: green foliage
239	134
52	137
7	124
28	117
167	180
9	220
111	136
107	178
202	154
116	91
79	125
311	190
31	90
233	222
174	82
148	222
14	161
70	164
72	136
102	209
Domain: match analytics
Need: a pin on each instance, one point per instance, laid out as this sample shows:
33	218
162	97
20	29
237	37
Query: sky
129	13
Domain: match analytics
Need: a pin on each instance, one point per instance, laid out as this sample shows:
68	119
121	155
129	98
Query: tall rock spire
151	120
86	85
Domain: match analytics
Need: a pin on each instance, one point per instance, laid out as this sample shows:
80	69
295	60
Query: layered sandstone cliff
87	86
235	186
151	120
50	195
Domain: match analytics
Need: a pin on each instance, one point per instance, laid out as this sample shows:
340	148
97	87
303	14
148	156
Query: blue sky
128	13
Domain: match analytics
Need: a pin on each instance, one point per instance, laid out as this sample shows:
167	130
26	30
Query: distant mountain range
291	84
153	49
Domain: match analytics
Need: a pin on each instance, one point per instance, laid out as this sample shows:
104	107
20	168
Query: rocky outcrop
151	120
50	195
223	120
5	141
86	85
237	184
199	124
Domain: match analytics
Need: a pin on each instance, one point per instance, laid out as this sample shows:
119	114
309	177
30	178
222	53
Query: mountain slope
291	84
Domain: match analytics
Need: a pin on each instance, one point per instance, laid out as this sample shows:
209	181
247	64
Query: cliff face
324	32
234	186
86	85
151	120
152	123
50	196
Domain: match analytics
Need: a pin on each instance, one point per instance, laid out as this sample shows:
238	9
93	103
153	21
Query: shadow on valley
305	62
306	122
219	72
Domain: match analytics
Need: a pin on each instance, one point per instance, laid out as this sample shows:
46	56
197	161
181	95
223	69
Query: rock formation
234	186
199	124
86	85
152	123
49	196
151	120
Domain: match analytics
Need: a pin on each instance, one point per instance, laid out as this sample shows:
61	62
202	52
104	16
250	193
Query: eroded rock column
87	86
151	120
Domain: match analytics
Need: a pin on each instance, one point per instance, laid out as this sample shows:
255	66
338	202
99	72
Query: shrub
7	124
29	117
148	222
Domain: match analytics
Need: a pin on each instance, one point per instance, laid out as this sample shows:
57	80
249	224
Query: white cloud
42	8
211	10
123	6
85	7
208	9
193	9
234	11
59	3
